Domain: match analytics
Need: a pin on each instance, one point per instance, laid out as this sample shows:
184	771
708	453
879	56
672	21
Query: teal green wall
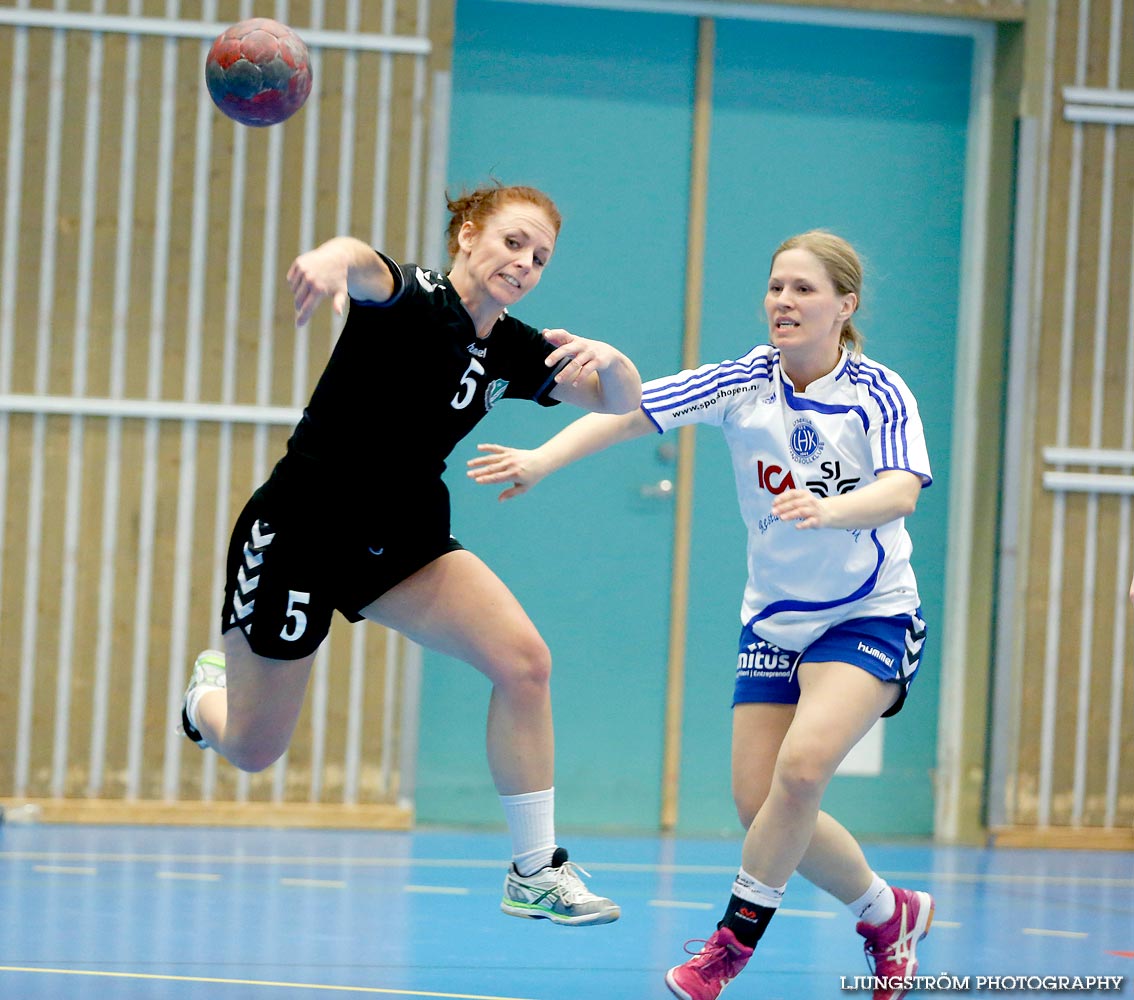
596	108
859	131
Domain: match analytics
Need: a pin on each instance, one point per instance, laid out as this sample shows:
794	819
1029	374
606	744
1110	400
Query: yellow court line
254	982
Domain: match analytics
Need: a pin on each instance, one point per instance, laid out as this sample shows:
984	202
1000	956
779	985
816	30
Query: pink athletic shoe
891	947
711	969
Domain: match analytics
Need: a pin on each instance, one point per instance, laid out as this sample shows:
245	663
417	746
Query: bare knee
523	668
800	775
748	802
250	750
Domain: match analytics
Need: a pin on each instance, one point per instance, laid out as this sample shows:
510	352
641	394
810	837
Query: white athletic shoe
556	893
208	675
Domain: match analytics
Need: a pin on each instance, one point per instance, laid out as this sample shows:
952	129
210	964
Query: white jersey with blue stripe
847	427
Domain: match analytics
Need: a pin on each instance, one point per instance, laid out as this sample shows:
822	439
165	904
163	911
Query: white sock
754	891
876	905
531	822
194	700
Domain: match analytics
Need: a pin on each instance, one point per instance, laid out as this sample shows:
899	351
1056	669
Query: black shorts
292	564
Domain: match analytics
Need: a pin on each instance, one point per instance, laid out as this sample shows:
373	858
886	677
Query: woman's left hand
801	506
500	464
586	356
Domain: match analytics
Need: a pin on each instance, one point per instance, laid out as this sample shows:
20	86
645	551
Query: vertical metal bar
1122	570
307	211
9	251
222	520
392	661
411	714
265	348
318	722
347	131
1098	393
686	442
1011	650
352	763
954	747
269	284
1006	686
191	391
29	631
434	251
299	388
383	116
417	133
1122	582
79	357
147	499
1063	420
127	174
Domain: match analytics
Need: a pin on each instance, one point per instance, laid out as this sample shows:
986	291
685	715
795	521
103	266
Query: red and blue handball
258	72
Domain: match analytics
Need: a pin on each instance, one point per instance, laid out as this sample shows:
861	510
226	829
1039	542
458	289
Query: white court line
64	870
315	883
814	914
442	890
190	876
153	977
680	904
474	863
993	879
1041	932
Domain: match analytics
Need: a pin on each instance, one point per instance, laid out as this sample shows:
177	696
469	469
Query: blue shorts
888	648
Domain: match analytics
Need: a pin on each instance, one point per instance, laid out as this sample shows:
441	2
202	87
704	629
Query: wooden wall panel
63	308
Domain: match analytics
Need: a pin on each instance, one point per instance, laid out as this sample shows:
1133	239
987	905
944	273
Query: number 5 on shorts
296	620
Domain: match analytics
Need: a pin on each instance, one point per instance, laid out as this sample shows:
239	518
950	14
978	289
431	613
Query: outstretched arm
599	378
340	267
524	468
892	495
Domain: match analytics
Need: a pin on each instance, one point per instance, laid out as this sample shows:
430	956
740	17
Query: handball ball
258	72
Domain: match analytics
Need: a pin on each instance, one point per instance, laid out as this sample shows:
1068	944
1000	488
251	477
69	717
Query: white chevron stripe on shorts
246	583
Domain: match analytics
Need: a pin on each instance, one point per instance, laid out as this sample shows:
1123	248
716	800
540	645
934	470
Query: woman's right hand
500	464
340	268
318	274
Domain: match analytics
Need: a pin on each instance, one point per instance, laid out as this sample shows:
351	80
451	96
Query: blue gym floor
189	914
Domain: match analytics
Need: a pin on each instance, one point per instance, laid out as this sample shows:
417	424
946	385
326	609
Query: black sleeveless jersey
406	381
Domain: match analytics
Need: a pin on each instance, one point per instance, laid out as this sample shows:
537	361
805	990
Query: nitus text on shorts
984	984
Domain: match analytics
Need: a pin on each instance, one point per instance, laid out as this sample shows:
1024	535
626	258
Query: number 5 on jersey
296	623
465	394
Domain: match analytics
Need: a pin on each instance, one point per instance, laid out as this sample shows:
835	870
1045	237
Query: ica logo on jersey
773	478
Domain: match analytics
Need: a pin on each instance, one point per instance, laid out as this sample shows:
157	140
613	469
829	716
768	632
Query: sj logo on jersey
804	441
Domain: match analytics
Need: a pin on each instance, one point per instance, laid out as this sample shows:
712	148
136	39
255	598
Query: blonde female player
829	457
355	517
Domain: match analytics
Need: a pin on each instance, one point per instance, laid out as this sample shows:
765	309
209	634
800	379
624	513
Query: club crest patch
493	391
805	443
